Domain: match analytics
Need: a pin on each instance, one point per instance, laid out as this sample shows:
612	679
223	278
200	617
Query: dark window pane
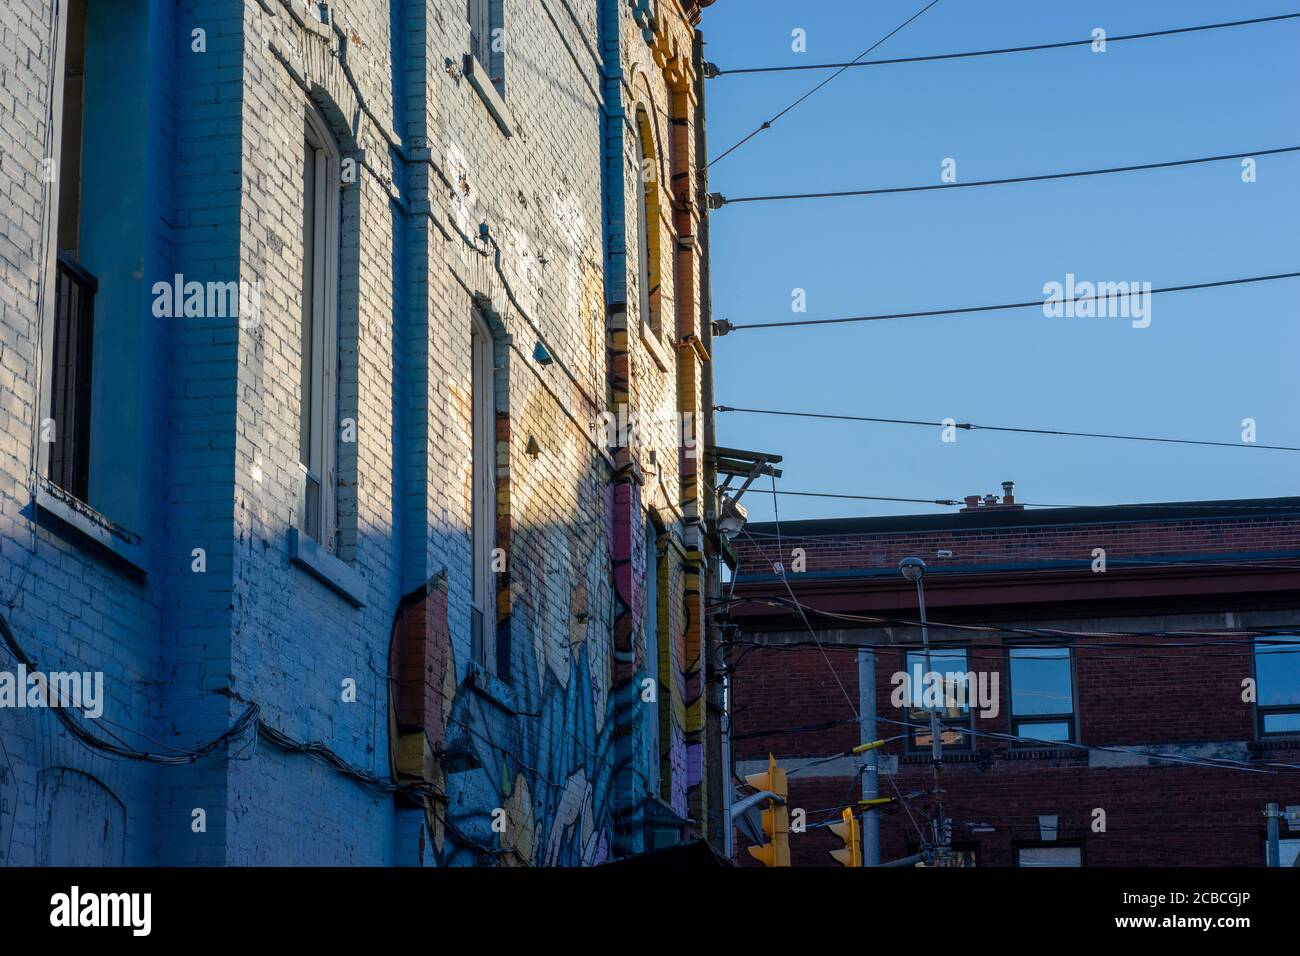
74	320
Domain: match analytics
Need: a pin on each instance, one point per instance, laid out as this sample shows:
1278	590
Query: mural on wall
540	788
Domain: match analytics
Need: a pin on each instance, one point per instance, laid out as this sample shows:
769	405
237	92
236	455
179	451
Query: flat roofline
996	517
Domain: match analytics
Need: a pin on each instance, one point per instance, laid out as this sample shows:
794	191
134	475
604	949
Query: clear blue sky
1209	358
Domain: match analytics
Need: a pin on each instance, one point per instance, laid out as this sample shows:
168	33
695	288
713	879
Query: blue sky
1208	359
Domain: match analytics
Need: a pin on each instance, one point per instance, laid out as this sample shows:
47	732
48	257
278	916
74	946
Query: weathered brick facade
508	188
1204	572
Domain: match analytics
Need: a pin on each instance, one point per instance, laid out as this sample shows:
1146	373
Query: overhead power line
713	71
724	327
768	124
971	426
717	200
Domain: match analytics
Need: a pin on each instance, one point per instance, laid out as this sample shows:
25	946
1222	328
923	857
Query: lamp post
913	569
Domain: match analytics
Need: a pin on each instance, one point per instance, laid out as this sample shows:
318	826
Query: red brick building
1100	637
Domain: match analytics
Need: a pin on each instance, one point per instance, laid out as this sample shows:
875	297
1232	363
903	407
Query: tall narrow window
652	650
484	506
487	38
1277	676
645	249
318	441
1042	693
68	431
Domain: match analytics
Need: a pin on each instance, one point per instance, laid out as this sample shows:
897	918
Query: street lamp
913	569
733	516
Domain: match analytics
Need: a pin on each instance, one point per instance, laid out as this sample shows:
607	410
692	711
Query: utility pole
870	769
914	570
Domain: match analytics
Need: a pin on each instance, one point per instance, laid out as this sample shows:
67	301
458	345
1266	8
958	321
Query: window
1290	852
318	439
954	703
1049	856
68	430
647	226
1277	690
483	613
486	38
652	650
1042	693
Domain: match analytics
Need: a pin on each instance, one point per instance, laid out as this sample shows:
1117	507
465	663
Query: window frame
966	724
652	650
1015	723
483	504
1052	845
644	272
1283	843
1263	711
50	279
484	18
318	410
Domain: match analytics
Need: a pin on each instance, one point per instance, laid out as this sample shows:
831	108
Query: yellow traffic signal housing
776	818
848	831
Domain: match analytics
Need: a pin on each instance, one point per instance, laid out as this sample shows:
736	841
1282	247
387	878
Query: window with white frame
484	505
318	439
1277	680
1042	693
487	38
645	182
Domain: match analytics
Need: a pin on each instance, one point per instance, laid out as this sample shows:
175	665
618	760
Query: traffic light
776	818
848	831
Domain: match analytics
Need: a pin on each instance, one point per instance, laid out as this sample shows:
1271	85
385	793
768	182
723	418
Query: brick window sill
1044	753
90	525
949	756
324	567
658	351
492	688
481	80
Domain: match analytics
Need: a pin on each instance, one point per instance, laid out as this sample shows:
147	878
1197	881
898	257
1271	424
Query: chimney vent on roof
1008	502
